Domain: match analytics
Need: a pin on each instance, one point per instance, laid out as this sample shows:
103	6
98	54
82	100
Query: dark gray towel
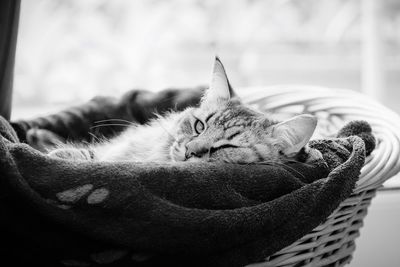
186	214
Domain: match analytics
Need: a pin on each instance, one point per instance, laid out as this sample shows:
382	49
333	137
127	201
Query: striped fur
233	133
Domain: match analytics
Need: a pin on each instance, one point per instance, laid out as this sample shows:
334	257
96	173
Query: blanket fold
183	213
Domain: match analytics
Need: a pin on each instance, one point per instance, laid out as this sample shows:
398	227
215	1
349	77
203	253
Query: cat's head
223	129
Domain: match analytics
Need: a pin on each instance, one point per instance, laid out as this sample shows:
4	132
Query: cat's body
149	142
221	129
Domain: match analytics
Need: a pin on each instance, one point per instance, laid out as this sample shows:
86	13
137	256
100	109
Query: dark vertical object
9	16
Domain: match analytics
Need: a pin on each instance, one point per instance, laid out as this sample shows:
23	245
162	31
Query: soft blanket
131	214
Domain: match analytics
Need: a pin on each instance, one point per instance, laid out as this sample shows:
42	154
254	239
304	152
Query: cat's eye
199	126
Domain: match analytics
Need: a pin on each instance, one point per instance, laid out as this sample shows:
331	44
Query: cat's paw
42	139
72	154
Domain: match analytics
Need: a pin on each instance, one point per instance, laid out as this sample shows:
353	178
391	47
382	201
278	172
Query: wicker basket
332	242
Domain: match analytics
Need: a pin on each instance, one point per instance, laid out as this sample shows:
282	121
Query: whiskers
281	164
95	138
268	162
125	123
300	162
107	123
112	122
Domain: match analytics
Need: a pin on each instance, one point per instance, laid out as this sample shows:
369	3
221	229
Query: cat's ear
292	135
220	90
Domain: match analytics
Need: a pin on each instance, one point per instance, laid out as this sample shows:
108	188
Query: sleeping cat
220	129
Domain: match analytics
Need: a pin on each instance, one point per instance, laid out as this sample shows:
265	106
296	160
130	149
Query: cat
220	129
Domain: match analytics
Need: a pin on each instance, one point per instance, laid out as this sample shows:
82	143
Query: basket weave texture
333	242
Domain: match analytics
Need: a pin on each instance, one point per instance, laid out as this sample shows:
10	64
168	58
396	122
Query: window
69	51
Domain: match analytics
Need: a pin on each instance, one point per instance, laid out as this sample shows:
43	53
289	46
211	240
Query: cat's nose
193	150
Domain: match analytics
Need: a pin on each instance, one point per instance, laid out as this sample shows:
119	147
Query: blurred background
71	50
